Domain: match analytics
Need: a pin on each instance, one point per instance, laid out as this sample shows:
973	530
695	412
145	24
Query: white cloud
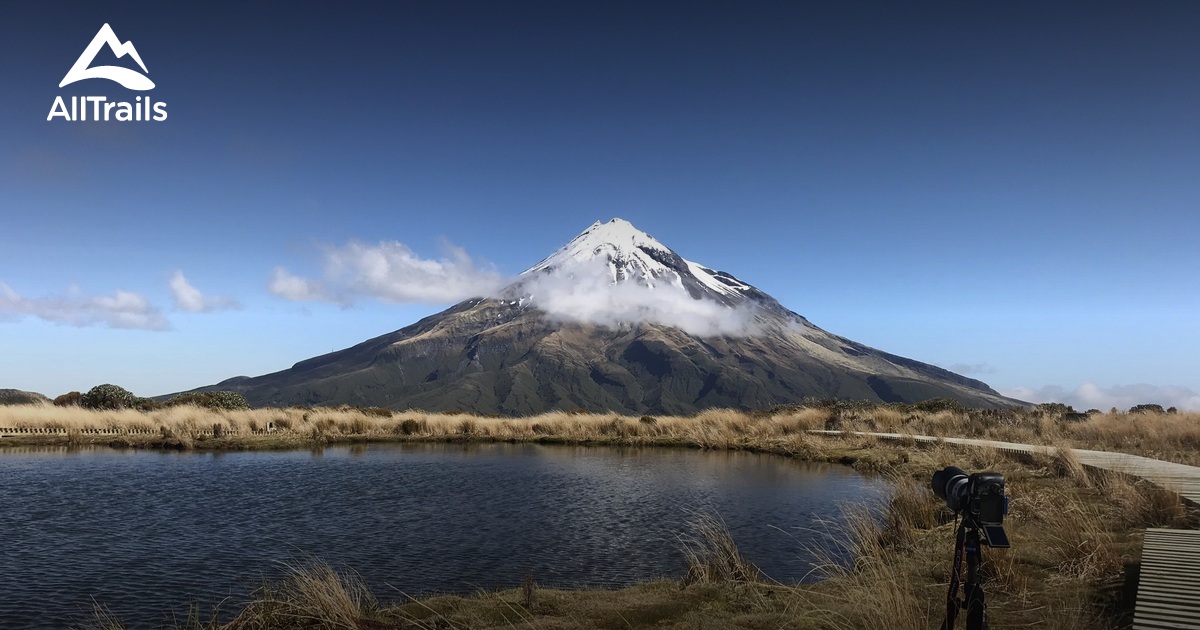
1092	396
972	368
390	272
585	293
123	309
189	298
295	288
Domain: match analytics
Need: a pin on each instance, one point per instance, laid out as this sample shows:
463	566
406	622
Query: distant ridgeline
18	397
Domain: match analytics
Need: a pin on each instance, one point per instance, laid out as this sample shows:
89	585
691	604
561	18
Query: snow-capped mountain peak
618	242
630	254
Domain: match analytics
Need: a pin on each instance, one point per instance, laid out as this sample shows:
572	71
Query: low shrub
108	396
69	399
146	404
211	400
1054	409
934	405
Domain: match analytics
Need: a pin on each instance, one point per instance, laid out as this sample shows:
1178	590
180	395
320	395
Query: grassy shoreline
1076	533
1167	436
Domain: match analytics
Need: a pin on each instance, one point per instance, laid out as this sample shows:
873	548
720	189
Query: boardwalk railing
15	431
23	431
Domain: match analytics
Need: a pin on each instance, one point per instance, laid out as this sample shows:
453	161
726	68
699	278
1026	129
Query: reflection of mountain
649	332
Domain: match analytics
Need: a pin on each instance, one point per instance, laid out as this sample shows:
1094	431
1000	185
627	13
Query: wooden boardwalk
1169	584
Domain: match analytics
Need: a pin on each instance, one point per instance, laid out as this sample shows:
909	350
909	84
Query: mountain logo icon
130	79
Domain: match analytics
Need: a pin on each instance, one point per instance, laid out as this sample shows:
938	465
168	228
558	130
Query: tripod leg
976	605
952	604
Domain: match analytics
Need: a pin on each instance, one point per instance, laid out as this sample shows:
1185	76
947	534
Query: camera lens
950	485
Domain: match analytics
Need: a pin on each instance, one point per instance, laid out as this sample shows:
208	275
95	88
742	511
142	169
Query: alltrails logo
99	107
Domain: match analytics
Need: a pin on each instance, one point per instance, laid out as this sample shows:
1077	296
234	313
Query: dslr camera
979	497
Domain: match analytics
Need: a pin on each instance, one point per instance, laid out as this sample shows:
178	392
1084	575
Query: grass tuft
312	595
711	554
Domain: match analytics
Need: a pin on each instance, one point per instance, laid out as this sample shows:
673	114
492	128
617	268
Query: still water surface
148	533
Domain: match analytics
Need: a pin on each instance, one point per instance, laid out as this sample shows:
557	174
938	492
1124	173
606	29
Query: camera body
979	497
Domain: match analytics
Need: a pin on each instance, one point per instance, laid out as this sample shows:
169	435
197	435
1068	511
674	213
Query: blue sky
1007	190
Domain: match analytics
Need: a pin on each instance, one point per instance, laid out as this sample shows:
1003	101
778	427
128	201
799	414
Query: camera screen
991	508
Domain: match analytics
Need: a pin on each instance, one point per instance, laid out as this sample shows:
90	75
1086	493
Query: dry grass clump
1079	539
880	587
875	534
791	422
1139	504
1004	573
913	507
887	420
104	619
1065	463
876	596
312	595
711	554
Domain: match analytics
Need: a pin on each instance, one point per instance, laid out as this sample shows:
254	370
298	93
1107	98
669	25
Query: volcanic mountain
613	321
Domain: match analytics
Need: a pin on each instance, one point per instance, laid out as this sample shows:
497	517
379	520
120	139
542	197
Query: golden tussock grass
711	554
311	595
885	583
194	427
1168	436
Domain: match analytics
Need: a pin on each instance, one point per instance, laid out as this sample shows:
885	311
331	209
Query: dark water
148	533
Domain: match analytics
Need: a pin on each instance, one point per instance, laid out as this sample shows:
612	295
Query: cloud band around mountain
585	293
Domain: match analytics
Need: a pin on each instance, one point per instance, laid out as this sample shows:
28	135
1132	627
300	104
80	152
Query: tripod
967	543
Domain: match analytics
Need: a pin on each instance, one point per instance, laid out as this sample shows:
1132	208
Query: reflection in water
147	533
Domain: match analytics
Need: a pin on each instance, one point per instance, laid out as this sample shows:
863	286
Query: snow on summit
618	241
631	254
613	274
